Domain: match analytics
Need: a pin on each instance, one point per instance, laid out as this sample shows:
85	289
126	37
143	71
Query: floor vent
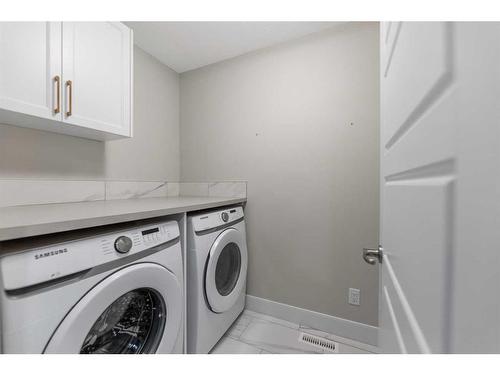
319	342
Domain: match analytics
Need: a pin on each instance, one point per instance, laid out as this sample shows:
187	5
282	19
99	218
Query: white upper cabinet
97	75
71	77
30	68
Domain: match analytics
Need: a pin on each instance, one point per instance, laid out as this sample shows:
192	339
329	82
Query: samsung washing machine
216	279
118	291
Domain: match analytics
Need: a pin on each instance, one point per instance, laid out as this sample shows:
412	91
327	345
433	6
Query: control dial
224	216
123	244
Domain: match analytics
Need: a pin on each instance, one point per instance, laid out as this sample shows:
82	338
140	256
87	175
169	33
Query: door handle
57	81
371	256
69	85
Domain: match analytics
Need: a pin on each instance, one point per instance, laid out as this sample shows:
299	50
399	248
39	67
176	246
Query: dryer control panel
216	219
38	265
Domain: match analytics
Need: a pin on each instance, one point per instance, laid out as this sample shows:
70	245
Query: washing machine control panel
157	234
216	219
37	265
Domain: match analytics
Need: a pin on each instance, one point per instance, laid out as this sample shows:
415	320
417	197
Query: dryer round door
226	270
137	309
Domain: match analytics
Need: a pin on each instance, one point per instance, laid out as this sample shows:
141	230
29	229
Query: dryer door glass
228	269
132	324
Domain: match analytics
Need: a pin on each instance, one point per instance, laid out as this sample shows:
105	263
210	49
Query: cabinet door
30	61
97	73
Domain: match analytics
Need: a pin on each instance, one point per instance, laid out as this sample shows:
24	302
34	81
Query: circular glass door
226	269
137	309
133	324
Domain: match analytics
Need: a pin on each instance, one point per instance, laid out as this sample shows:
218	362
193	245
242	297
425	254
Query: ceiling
185	46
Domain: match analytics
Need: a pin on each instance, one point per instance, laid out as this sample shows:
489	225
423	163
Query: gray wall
281	119
152	154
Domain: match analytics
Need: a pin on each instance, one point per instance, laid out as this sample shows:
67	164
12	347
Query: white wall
281	119
152	154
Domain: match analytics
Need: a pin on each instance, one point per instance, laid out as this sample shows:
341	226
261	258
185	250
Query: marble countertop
34	220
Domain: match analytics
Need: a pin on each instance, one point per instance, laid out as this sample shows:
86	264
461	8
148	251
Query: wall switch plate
354	297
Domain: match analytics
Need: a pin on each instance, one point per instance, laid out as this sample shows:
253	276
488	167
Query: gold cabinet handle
69	85
57	81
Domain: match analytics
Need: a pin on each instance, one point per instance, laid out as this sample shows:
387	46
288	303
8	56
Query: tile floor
255	333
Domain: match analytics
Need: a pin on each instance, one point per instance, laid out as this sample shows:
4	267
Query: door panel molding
443	168
394	321
420	72
407	154
391	42
409	314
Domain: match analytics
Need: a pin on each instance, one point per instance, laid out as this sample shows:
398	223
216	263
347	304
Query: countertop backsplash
19	192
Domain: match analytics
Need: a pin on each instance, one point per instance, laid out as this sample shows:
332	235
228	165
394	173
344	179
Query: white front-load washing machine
118	291
217	269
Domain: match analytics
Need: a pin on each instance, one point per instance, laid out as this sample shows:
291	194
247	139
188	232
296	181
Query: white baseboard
337	326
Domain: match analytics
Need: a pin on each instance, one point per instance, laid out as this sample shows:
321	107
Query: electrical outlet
354	297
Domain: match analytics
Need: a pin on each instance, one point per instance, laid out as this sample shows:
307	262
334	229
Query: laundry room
213	187
272	135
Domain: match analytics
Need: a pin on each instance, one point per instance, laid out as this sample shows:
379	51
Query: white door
30	68
226	270
97	71
135	310
440	164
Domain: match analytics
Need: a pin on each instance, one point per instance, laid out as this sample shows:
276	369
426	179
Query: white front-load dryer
119	291
216	280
